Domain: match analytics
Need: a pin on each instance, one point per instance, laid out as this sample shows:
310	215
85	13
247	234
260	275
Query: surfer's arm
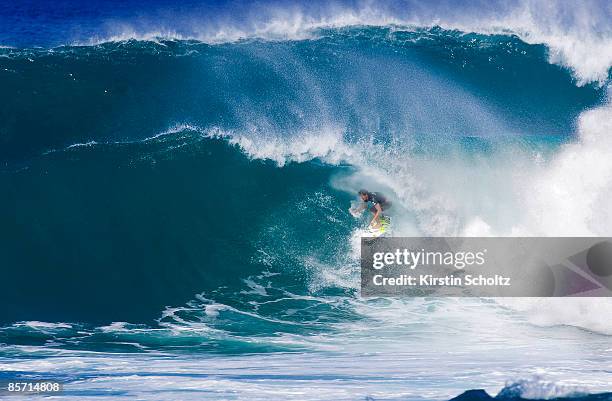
358	209
374	221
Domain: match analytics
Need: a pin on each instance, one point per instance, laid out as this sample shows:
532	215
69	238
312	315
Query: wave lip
577	35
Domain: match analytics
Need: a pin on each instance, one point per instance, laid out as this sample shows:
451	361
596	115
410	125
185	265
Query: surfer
379	204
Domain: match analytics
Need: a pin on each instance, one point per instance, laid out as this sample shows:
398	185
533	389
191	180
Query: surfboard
383	227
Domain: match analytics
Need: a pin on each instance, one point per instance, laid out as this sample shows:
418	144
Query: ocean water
176	179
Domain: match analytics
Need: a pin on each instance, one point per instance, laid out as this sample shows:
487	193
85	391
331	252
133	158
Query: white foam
326	144
539	388
47	325
586	313
571	196
115	327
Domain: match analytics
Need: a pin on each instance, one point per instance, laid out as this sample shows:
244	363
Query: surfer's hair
363	192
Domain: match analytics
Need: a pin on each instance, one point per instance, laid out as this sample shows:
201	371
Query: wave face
117	155
181	197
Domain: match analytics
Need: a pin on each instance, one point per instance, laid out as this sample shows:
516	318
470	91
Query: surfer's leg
373	210
385	207
384	218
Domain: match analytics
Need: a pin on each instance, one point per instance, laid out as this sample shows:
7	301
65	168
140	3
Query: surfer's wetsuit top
377	199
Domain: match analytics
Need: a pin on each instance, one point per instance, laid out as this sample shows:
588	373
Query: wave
292	268
578	36
189	197
362	83
137	169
